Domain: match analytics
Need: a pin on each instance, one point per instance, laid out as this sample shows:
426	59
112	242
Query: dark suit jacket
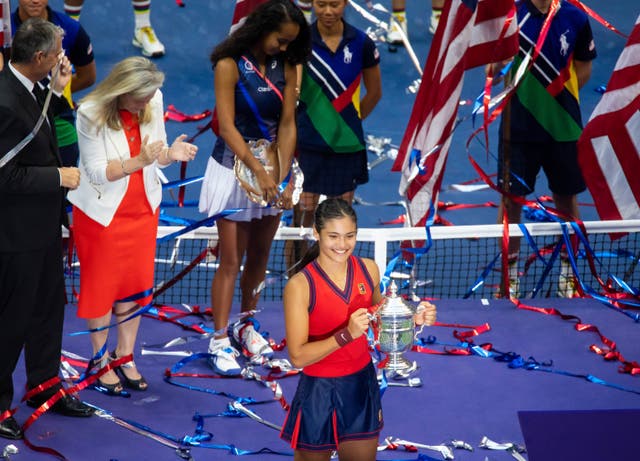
31	199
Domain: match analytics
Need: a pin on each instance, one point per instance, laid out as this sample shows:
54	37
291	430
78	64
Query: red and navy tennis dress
338	398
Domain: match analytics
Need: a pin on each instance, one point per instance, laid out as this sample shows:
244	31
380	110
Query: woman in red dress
337	403
122	140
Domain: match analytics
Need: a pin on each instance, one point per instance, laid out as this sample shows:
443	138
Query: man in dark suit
32	189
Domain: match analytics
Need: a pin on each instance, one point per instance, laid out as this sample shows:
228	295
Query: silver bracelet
123	170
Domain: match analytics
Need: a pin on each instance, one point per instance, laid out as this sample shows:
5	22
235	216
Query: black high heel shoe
135	384
109	389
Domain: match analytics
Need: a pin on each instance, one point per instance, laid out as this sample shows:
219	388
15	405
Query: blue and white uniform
257	116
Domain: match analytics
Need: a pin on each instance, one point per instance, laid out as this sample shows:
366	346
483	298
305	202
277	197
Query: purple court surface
463	398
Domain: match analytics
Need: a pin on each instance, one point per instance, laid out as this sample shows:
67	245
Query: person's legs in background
232	236
394	36
398	8
436	11
307	8
144	37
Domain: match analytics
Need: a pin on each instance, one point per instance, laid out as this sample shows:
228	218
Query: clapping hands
181	151
149	153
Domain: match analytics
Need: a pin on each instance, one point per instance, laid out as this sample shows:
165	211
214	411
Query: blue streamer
480	280
415	159
139	312
181	182
208	222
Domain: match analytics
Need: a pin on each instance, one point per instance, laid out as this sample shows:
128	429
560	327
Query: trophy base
398	365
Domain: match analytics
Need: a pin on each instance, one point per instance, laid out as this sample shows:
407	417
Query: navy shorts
558	160
327	411
333	174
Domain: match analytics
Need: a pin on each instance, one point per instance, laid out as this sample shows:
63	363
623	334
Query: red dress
329	310
117	261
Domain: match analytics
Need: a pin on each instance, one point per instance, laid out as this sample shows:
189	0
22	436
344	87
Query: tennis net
458	261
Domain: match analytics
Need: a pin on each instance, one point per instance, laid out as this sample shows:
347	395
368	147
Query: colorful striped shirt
546	106
329	111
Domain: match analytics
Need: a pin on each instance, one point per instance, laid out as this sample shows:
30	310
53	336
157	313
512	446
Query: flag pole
5	30
506	173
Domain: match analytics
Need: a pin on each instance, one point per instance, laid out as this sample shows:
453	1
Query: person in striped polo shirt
545	121
331	147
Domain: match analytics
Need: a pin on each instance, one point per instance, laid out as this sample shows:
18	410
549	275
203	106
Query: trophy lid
394	305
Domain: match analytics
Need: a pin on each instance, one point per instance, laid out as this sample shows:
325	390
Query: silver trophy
396	331
269	156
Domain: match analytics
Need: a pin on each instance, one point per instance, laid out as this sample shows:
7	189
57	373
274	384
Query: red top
329	311
117	261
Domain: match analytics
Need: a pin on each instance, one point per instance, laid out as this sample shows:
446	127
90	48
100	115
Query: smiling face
277	41
329	12
32	9
337	239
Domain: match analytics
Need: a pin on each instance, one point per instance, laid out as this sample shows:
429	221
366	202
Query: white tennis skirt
221	191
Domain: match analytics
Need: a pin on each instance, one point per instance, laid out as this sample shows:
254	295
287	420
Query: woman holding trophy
255	90
337	403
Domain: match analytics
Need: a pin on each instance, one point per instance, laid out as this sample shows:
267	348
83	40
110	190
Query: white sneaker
394	36
514	281
145	38
566	281
434	20
514	290
223	360
246	336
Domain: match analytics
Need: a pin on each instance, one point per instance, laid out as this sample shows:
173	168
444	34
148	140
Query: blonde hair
135	76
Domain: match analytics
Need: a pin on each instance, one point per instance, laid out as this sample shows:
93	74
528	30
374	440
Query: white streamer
27	139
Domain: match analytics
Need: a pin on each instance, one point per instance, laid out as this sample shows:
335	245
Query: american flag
242	10
609	147
5	27
470	33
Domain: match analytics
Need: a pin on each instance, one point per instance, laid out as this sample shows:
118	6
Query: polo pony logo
348	55
564	43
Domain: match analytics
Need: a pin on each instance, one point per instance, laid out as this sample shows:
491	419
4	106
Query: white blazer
97	197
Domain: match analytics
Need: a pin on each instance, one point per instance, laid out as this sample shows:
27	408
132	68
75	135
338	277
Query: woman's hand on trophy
358	323
181	151
267	185
285	201
425	314
149	153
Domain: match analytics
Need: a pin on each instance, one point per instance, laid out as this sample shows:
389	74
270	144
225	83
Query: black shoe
67	406
109	389
139	384
10	429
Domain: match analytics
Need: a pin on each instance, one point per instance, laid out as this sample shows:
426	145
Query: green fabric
326	121
65	132
547	111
